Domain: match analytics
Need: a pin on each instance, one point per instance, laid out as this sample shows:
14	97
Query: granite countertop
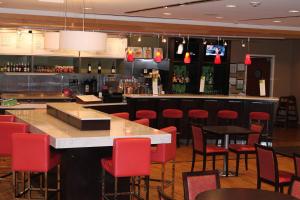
191	96
63	135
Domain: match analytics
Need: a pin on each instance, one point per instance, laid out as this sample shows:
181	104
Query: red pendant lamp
157	57
217	60
187	58
248	59
129	56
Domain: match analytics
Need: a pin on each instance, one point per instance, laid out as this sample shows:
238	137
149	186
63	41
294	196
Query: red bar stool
173	117
7	118
144	122
261	118
130	158
31	154
7	129
227	117
124	115
164	153
197	117
147	114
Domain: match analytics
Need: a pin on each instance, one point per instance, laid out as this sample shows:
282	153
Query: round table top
242	193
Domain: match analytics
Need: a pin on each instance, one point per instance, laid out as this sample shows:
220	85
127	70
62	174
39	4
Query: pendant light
187	56
247	57
217	60
82	40
129	52
158	56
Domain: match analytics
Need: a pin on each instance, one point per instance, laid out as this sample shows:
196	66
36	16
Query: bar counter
212	103
83	150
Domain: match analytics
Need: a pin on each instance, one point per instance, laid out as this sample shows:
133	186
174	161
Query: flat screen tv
212	50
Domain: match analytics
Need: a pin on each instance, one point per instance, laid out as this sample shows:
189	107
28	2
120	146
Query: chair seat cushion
198	114
55	159
107	165
215	149
285	177
241	148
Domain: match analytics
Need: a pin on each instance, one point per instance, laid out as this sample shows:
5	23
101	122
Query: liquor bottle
7	67
17	67
86	84
113	68
99	68
22	67
89	68
93	84
28	68
13	67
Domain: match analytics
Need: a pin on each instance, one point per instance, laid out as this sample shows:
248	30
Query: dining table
287	151
226	132
242	193
82	150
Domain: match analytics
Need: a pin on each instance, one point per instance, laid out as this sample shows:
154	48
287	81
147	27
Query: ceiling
269	14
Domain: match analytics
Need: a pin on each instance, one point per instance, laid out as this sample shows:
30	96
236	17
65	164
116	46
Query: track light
183	40
139	39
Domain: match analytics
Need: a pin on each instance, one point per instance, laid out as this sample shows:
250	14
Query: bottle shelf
287	114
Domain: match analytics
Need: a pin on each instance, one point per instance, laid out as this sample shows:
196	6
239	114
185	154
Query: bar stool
31	154
130	158
147	114
7	118
144	122
197	117
7	129
164	153
173	117
124	115
262	118
227	117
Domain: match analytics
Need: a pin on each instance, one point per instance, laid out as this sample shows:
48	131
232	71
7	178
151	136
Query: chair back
198	139
30	152
297	164
294	189
131	157
168	151
256	130
196	182
144	121
266	162
172	113
7	129
259	116
162	195
124	115
7	118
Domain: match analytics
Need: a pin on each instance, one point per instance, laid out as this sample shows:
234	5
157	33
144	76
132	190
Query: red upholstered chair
162	195
297	164
267	169
147	114
294	189
200	147
7	118
197	182
124	115
130	158
173	117
144	122
164	153
31	153
7	129
248	148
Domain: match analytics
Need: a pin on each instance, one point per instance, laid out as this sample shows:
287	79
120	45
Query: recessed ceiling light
166	7
167	13
52	1
276	21
255	3
219	17
88	8
293	11
230	6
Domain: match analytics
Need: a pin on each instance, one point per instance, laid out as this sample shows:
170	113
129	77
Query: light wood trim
57	23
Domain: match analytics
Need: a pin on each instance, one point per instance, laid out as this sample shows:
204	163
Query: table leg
223	173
